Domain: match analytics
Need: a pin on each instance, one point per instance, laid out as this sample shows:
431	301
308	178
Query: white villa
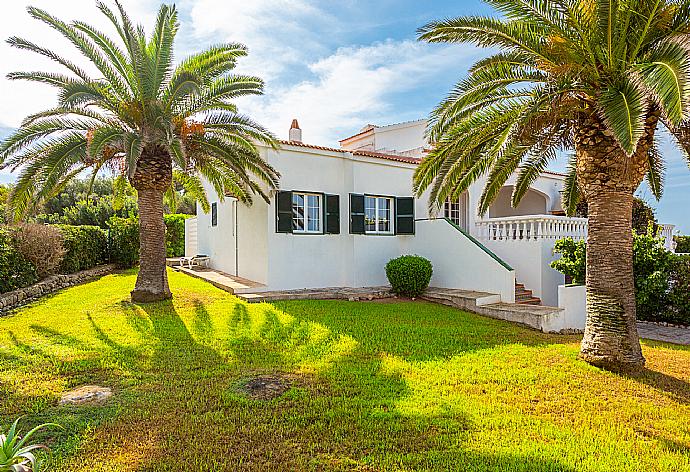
342	213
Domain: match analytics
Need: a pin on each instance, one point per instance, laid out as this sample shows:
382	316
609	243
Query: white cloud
277	32
353	87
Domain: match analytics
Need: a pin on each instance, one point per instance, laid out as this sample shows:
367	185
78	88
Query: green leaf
666	73
624	108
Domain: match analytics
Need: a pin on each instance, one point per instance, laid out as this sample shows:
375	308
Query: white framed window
378	215
452	211
307	213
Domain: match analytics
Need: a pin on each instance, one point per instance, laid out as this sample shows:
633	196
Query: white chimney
295	132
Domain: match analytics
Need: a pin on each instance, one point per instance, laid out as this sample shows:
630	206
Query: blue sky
335	66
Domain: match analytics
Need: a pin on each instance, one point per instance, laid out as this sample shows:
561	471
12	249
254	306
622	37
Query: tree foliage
138	99
555	61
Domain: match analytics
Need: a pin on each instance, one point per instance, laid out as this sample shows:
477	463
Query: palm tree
144	119
597	77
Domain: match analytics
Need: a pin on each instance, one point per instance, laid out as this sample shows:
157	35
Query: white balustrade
534	227
531	228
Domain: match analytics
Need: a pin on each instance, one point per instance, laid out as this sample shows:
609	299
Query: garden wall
573	300
49	285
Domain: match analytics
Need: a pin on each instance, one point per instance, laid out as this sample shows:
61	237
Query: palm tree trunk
611	338
152	177
608	179
152	280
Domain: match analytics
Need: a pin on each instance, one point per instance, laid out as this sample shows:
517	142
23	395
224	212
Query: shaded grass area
377	386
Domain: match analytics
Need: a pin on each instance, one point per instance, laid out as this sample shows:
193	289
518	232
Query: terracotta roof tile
378	155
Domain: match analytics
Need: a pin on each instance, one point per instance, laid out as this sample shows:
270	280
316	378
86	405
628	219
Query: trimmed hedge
85	246
409	275
123	241
174	234
15	270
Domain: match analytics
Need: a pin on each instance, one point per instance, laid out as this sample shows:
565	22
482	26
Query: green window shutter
356	214
332	211
404	215
284	212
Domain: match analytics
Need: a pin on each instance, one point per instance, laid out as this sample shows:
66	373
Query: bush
43	246
174	235
679	291
123	241
409	275
573	259
15	270
662	279
682	244
86	246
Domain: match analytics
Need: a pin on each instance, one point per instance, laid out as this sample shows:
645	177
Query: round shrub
409	275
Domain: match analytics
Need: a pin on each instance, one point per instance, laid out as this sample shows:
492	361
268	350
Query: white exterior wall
323	260
533	203
400	137
245	241
238	249
460	262
191	243
531	261
573	300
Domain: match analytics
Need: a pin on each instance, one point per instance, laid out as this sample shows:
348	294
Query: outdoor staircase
524	296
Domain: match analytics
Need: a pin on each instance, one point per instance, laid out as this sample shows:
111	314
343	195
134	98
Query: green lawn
378	386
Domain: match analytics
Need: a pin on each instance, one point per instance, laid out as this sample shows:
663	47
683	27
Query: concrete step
534	316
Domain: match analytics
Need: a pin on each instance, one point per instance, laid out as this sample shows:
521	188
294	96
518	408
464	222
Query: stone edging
664	323
51	284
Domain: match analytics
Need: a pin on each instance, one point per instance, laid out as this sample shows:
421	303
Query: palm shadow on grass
179	405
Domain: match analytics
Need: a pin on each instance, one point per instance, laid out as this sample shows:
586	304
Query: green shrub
174	234
679	291
409	275
573	259
651	265
662	279
682	244
86	247
123	241
15	270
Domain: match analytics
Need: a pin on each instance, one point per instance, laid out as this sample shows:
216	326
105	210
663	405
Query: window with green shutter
284	212
404	215
356	213
332	214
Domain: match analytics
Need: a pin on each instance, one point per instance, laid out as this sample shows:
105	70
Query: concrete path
222	280
669	334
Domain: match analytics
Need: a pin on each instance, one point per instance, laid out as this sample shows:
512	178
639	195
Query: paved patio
669	334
